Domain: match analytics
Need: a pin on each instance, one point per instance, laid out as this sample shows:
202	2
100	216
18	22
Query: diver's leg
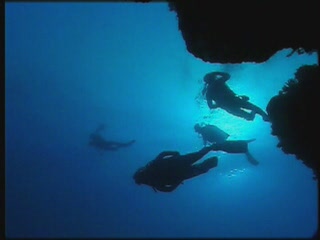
191	158
232	146
113	144
237	146
241	113
207	164
258	110
128	143
201	168
110	145
113	147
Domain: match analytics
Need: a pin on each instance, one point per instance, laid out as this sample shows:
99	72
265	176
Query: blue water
72	66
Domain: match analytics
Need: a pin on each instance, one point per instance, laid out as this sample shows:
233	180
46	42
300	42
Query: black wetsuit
170	169
218	91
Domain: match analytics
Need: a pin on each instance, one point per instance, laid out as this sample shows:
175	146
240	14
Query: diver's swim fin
129	143
209	163
251	159
250	140
201	168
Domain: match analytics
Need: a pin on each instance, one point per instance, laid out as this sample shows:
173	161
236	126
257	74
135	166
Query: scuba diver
218	91
169	169
98	142
212	134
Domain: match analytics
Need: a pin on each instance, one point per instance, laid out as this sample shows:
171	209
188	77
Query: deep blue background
70	67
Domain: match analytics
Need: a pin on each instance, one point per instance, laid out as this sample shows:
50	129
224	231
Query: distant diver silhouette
97	141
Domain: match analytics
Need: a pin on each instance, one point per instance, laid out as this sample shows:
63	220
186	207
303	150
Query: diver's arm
204	90
204	141
210	103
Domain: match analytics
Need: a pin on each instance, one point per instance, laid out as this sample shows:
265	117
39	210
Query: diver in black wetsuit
169	169
210	133
218	91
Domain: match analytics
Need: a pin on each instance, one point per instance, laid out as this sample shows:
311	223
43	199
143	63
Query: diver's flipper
201	168
251	159
208	163
129	143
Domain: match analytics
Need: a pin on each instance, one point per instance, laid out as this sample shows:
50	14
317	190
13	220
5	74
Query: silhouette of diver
212	134
169	169
97	141
218	91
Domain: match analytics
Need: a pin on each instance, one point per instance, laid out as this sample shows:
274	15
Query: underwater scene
114	130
